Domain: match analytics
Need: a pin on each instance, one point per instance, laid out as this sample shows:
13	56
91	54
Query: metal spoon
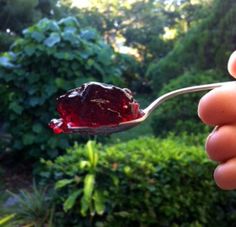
109	129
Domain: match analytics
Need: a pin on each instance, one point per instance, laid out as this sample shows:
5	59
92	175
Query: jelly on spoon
114	110
94	105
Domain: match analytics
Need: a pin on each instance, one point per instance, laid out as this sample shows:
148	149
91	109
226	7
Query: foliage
18	14
132	73
5	41
141	23
52	57
31	208
205	46
180	113
144	182
15	14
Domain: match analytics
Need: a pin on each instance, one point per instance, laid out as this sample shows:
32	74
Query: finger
218	106
225	175
221	143
232	64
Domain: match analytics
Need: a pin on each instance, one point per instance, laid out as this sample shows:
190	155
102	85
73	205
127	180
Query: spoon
109	129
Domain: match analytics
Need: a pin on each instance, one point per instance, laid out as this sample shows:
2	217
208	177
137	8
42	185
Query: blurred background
154	175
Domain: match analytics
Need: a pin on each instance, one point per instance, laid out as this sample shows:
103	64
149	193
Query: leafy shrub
144	182
180	113
52	57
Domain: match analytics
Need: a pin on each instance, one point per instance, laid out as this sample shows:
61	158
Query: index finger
232	64
218	106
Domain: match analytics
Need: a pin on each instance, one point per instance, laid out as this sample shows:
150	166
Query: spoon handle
182	91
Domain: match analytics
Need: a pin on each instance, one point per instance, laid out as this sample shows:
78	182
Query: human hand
218	108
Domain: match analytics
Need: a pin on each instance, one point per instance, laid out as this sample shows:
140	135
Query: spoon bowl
109	129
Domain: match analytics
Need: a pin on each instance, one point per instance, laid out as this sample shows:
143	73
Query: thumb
232	64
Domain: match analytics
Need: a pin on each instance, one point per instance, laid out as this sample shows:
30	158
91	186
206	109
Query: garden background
156	174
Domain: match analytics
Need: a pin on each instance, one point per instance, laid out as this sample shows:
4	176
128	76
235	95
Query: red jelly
93	105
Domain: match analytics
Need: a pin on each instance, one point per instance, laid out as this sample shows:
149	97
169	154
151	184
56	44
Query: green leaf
104	56
28	139
69	22
63	55
49	89
60	82
43	24
95	159
16	107
90	63
6	219
33	78
84	164
53	39
89	185
71	37
29	50
70	202
90	151
70	29
63	183
34	101
99	202
37	128
84	54
89	35
26	32
127	170
123	214
38	36
4	61
59	54
53	26
89	182
99	68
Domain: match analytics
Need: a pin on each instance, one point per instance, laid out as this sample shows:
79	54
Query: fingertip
232	64
225	175
211	143
217	107
202	106
206	108
221	143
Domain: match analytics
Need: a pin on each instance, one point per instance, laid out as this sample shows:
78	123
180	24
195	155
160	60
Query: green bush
52	57
144	182
180	113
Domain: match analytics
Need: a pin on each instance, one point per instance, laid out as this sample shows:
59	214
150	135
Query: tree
199	57
149	27
207	45
19	14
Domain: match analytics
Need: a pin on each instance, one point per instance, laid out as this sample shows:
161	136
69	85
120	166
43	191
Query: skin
218	108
